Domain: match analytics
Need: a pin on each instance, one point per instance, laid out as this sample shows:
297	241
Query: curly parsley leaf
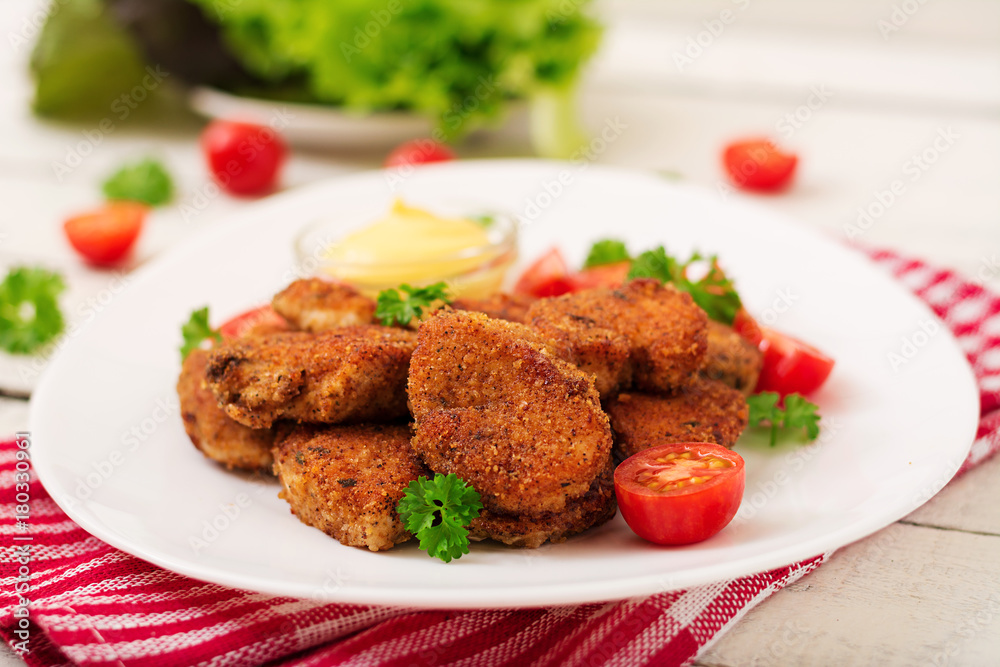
393	308
714	292
29	309
196	330
795	413
146	181
606	251
437	511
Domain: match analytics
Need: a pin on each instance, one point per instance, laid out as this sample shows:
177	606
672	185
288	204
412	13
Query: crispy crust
216	435
500	306
664	330
592	509
348	375
501	411
731	359
347	480
317	305
706	411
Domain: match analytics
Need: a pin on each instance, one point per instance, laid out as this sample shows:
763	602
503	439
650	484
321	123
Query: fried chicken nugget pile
505	392
525	428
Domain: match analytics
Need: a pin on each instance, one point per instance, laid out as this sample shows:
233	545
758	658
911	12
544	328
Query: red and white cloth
91	604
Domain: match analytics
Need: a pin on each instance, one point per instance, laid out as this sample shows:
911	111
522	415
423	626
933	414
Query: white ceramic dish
110	448
313	125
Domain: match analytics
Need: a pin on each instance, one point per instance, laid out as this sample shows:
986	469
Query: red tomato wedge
105	236
605	275
418	151
757	164
791	366
238	326
680	493
548	276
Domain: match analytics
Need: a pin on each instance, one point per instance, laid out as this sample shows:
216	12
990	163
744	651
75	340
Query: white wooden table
856	88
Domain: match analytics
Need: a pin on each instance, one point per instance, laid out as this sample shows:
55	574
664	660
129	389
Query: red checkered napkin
94	605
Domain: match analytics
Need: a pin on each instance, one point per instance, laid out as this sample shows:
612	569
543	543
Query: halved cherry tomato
757	164
245	159
238	326
548	276
106	235
605	275
680	493
745	325
418	151
791	366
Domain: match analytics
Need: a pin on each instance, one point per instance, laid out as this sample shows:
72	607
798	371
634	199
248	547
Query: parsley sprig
606	251
29	309
714	291
437	511
197	330
393	308
795	413
146	181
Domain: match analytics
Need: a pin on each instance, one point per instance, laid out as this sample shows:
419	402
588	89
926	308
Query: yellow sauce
411	245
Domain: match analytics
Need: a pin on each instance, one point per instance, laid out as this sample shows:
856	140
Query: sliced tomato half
790	365
680	493
105	236
757	164
239	326
548	276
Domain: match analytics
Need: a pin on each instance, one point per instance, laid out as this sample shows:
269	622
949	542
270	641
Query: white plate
314	125
110	448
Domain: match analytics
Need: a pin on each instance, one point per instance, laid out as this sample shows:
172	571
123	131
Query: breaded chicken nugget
347	375
592	509
594	349
502	412
347	480
316	305
706	411
500	306
211	430
731	358
665	329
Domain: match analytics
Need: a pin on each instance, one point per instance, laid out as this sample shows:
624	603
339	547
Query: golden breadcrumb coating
706	411
664	328
500	306
502	412
216	435
347	480
731	358
316	305
592	509
348	375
